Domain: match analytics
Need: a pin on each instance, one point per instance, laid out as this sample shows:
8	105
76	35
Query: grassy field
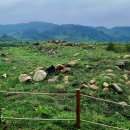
92	63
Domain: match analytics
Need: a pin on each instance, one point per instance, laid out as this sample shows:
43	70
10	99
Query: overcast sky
107	13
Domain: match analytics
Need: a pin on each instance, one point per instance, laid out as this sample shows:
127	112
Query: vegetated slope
37	31
93	62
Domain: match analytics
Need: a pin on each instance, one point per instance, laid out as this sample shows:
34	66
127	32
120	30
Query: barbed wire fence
77	120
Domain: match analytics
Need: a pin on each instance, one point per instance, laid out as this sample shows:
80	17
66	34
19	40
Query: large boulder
39	75
24	78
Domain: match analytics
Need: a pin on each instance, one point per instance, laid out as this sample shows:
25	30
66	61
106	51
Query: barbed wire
104	125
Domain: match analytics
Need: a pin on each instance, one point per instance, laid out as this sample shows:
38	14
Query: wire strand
94	123
100	99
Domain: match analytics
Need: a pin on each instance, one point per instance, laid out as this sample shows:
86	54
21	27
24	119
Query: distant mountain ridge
37	31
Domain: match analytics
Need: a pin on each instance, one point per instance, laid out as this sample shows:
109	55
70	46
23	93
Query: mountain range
39	31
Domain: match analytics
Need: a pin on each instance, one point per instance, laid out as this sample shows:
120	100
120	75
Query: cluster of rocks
41	73
63	43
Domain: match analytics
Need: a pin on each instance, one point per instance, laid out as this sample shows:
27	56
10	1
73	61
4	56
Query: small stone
128	83
24	78
94	87
105	89
109	71
60	67
66	79
39	68
125	77
55	79
111	74
67	69
39	75
84	86
6	59
121	64
107	77
71	63
126	57
88	67
4	75
116	88
76	54
92	82
106	85
31	73
123	103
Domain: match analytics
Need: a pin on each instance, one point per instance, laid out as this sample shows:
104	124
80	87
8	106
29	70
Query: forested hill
36	31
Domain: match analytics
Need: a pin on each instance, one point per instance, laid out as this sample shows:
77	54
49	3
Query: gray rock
54	79
122	64
24	78
39	75
116	88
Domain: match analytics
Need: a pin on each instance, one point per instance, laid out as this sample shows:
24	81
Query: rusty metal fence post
77	108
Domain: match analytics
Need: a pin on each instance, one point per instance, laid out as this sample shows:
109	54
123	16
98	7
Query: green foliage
111	47
92	62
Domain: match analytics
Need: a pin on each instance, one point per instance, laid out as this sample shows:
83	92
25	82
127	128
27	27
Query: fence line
36	119
32	93
94	123
78	95
65	94
100	99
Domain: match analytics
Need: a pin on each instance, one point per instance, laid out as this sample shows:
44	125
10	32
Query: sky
108	13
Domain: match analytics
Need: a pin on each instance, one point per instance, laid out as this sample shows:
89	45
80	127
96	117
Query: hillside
37	31
91	68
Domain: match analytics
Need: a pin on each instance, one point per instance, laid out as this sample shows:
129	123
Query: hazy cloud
85	12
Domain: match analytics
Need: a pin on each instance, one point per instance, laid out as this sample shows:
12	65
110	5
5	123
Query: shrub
111	47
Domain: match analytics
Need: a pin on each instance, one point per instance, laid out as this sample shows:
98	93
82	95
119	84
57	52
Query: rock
128	83
39	68
123	103
125	77
31	73
4	76
109	71
60	67
127	72
24	78
106	85
94	87
39	75
126	57
105	89
66	79
116	88
111	74
55	79
92	82
84	86
88	67
51	69
6	59
66	69
76	54
107	77
121	64
71	63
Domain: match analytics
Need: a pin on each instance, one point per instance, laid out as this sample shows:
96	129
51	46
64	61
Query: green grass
27	59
